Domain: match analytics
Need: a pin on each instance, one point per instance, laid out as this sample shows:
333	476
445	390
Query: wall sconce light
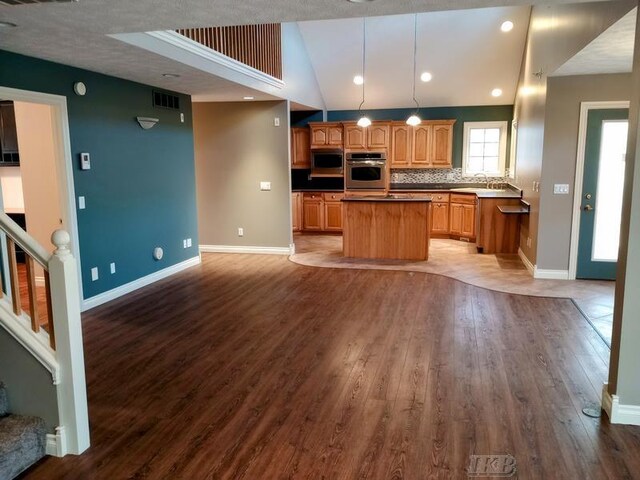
147	122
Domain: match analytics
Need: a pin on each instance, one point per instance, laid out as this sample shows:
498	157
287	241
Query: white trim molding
618	413
527	262
290	250
577	187
546	274
56	445
117	292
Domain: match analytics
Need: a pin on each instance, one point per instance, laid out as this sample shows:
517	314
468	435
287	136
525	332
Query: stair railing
55	340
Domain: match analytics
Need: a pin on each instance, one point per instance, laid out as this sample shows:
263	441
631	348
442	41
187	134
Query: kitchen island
389	227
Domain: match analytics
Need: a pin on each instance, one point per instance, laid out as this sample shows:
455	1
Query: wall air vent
29	2
165	100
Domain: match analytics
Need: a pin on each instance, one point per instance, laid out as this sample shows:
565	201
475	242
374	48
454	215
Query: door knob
588	208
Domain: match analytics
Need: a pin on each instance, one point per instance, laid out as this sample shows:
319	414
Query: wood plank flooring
253	367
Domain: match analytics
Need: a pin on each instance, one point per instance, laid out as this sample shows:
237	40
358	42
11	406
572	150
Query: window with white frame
485	148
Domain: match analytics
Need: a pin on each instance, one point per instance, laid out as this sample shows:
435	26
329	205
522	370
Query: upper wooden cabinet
325	134
300	148
374	137
428	145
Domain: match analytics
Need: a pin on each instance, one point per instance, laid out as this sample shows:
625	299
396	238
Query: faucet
486	178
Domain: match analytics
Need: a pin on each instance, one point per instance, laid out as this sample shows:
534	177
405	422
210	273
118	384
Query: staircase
22	440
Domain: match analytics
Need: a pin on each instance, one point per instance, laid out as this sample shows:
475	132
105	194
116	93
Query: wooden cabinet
440	218
321	211
312	212
296	211
462	216
300	148
428	145
374	137
332	212
401	141
326	134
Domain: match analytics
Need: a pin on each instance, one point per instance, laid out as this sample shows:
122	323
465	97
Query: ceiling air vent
29	2
164	100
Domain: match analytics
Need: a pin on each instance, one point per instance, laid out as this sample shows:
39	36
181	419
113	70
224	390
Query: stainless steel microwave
366	171
327	163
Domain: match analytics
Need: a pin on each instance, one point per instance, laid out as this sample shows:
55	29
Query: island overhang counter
386	227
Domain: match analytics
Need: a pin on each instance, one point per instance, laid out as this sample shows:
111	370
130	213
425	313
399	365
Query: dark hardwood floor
252	367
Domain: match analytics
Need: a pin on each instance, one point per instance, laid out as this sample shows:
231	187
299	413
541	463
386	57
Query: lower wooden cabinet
462	220
296	211
321	211
440	218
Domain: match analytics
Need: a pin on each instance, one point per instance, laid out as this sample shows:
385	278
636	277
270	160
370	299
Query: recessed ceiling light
171	75
506	26
426	77
7	25
496	92
358	79
248	97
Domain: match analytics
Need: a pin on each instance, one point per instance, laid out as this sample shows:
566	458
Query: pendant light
364	121
414	119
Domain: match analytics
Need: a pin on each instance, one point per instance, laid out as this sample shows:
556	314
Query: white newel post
72	390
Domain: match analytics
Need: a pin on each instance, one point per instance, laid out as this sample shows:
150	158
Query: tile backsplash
439	175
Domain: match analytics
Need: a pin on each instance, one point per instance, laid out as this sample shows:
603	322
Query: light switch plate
85	161
561	189
188	242
112	267
265	186
81	203
94	274
276	122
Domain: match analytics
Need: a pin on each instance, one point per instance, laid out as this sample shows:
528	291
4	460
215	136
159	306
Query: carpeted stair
22	440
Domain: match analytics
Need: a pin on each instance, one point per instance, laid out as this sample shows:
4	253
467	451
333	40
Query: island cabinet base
386	229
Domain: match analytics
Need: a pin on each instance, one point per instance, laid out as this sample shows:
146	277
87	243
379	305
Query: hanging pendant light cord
415	54
364	49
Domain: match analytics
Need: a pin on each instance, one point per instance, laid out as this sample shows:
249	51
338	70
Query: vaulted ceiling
465	51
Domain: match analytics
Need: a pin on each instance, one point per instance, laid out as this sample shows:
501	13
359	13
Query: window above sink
484	148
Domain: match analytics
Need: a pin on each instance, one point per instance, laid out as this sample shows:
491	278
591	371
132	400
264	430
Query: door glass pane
606	232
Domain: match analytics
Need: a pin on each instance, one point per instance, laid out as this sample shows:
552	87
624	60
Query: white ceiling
611	52
465	51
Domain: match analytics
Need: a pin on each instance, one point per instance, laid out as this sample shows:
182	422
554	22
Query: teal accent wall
460	114
140	191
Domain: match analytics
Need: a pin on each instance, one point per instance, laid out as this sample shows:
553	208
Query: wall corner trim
290	250
527	262
550	274
117	292
618	413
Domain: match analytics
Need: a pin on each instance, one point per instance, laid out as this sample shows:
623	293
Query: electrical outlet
265	186
94	274
188	242
184	243
112	267
81	203
529	242
240	231
182	118
561	189
276	122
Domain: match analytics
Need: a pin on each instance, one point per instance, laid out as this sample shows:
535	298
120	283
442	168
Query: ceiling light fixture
248	97
171	75
426	77
358	79
7	25
364	121
506	26
414	119
496	92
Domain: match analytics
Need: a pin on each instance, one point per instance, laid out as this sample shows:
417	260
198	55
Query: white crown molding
117	292
290	250
618	413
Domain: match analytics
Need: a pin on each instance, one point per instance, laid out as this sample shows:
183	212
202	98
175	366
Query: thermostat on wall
80	88
85	161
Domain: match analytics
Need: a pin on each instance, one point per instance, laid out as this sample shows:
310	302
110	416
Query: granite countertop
387	198
478	189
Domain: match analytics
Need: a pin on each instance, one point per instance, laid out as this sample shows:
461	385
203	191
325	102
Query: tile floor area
459	260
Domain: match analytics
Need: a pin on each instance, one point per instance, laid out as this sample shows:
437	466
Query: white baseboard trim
56	445
117	292
526	262
550	274
290	250
617	413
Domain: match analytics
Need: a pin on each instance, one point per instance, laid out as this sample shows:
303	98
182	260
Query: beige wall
562	118
556	33
11	184
236	147
38	170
